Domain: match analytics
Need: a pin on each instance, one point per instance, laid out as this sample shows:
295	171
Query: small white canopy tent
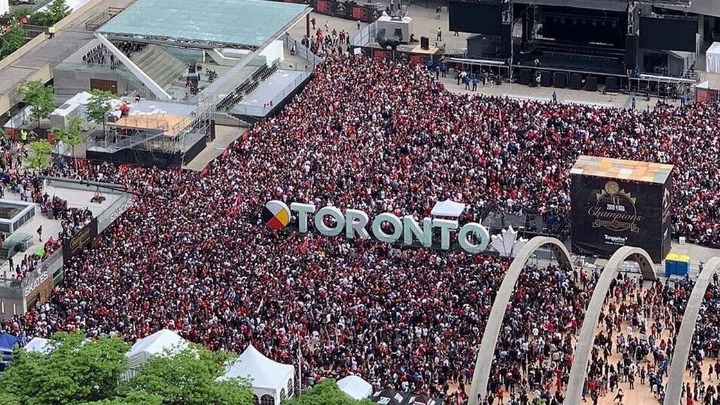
272	382
712	58
355	387
448	208
156	344
38	345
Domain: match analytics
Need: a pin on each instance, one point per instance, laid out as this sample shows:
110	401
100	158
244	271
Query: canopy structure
420	400
712	58
388	397
448	208
221	24
271	381
38	345
355	387
159	343
7	343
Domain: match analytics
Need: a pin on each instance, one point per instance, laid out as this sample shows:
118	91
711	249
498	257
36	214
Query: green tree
57	9
40	156
133	398
72	134
75	371
326	392
99	106
21	12
39	96
42	18
190	377
13	40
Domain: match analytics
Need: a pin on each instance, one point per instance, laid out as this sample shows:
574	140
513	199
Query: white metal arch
673	391
483	363
587	332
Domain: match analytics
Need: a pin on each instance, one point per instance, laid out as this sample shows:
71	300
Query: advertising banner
323	7
360	13
80	240
610	213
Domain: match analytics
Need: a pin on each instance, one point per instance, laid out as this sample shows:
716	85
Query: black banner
610	213
80	240
348	10
478	18
668	33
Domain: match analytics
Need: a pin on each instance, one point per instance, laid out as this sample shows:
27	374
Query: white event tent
271	382
355	387
160	342
38	345
448	208
712	58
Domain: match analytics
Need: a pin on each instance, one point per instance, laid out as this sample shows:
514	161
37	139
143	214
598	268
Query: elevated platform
34	60
153	133
271	93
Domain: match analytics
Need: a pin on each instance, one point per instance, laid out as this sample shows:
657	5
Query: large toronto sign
386	227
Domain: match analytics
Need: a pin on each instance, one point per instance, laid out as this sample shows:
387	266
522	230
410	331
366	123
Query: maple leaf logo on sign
507	242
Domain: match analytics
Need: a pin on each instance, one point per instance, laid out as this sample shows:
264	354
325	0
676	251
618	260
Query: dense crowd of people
639	331
376	136
17	181
534	351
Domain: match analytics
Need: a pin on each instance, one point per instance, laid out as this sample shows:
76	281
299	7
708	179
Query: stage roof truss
244	24
176	42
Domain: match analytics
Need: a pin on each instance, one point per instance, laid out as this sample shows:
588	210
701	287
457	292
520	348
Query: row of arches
483	364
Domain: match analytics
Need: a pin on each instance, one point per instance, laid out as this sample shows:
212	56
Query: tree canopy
74	371
72	133
57	9
325	392
99	106
13	40
40	156
78	371
190	378
39	96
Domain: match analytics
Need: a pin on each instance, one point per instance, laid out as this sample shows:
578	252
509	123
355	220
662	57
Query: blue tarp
7	342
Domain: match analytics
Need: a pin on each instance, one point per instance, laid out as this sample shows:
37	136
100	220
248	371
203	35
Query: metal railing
302	51
365	35
262	111
47	268
114	211
133	85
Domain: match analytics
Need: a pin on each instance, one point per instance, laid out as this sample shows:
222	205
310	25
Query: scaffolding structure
155	132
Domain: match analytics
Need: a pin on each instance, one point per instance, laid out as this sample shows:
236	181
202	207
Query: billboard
82	239
477	18
672	34
608	213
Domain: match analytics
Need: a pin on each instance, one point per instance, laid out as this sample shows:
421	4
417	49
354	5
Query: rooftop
239	23
622	169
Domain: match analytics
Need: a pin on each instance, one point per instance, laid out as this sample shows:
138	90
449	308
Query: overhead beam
486	352
165	41
592	314
673	393
155	88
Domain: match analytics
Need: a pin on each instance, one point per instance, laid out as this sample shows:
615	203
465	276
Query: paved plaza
425	23
75	197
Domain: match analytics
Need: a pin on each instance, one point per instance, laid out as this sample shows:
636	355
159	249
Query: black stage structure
610	45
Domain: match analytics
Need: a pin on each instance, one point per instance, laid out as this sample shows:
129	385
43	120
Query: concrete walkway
224	136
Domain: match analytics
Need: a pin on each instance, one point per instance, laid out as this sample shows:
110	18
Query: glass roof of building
229	22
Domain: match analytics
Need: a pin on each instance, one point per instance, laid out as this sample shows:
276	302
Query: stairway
228	120
160	65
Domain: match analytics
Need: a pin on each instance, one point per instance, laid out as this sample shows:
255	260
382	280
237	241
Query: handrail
302	51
